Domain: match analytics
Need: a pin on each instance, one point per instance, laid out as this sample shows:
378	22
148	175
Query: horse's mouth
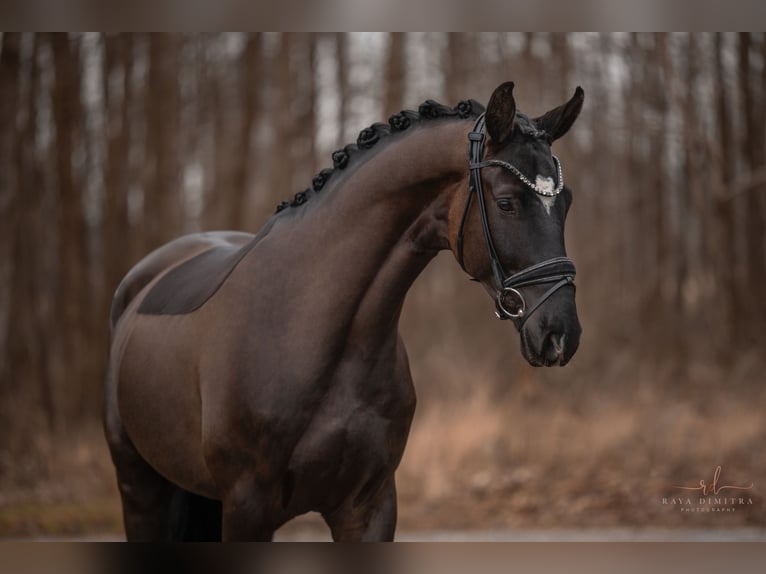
538	359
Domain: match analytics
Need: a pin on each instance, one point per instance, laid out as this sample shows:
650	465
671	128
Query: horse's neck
364	242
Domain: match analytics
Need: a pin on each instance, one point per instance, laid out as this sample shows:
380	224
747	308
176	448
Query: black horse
254	378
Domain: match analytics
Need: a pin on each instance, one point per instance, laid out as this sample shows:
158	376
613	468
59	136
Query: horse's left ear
558	121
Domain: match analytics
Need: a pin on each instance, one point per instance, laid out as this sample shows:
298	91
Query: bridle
509	301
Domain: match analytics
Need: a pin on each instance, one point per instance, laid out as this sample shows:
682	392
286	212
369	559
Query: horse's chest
348	449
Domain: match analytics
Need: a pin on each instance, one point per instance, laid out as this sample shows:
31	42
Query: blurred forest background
111	145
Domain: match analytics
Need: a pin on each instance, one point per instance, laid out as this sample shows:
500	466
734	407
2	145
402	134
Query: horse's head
508	224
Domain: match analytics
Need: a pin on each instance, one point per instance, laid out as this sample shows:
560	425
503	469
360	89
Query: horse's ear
501	113
558	121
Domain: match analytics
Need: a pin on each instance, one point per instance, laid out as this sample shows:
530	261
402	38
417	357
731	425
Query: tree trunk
727	251
657	227
10	208
163	205
250	73
281	165
118	60
531	67
73	286
395	75
752	155
222	110
562	53
304	95
454	70
10	66
635	170
344	88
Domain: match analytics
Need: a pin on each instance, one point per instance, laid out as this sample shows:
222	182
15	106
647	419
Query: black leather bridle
509	301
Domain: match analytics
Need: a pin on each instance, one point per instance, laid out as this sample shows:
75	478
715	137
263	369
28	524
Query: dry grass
61	486
542	456
599	462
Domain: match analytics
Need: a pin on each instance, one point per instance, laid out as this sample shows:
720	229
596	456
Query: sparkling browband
524	179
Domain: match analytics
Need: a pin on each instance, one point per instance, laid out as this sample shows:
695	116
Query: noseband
509	302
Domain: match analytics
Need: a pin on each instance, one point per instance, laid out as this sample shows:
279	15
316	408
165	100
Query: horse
253	378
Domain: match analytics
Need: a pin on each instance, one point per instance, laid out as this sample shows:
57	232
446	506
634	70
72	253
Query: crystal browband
524	179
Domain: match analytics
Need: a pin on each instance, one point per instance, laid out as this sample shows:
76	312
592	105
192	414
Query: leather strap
557	270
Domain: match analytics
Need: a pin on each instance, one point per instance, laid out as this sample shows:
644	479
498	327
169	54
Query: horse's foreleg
374	521
245	516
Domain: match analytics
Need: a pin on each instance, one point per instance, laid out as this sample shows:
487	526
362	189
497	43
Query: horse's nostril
555	347
558	343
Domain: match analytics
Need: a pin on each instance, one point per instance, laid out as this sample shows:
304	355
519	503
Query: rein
509	301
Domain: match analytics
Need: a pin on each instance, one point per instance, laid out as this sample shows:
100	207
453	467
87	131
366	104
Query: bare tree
280	169
10	66
395	74
656	230
304	94
344	87
163	207
453	67
118	69
752	156
562	53
727	251
250	73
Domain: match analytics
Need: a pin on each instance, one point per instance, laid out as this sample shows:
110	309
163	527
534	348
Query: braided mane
368	137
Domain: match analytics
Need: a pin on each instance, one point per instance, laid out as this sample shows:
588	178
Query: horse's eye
505	204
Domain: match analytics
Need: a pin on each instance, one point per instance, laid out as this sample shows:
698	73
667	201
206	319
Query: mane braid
368	137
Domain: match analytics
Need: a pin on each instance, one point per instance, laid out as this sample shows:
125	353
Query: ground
530	460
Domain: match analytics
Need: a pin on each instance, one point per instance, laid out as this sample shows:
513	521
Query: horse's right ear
558	121
501	113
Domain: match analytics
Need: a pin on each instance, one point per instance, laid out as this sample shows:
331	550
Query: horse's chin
533	359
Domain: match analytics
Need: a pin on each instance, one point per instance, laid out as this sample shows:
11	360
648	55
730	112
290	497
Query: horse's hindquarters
158	399
152	397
